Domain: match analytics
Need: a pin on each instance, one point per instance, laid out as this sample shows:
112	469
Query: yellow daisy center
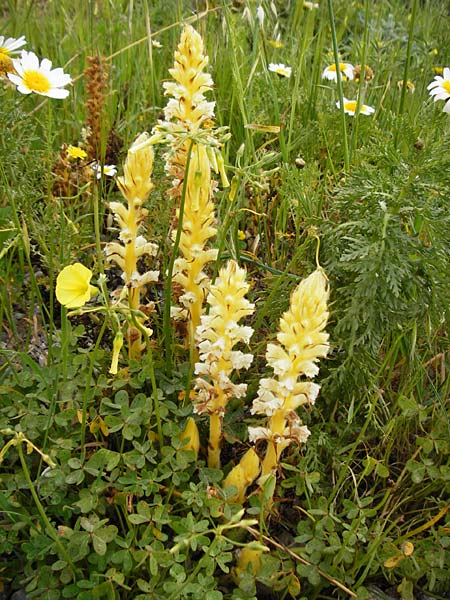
6	64
342	67
351	105
36	81
446	86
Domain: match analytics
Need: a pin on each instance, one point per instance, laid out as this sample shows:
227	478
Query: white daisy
108	170
41	79
440	88
351	105
10	46
280	69
346	70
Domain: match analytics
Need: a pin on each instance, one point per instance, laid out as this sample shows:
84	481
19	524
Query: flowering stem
339	85
98	246
215	437
401	106
154	388
168	287
88	390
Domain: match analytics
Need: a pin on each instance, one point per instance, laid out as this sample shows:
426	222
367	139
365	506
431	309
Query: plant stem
401	106
339	85
167	331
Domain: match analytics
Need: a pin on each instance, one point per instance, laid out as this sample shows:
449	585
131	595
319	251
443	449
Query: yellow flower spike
188	114
136	182
73	287
198	228
302	341
243	475
217	334
135	185
192	437
117	347
188	104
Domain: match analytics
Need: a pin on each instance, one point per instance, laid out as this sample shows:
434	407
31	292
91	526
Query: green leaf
99	544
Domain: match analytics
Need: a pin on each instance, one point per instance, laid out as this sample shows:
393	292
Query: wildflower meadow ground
224	354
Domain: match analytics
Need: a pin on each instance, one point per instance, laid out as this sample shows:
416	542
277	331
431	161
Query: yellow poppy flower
73	287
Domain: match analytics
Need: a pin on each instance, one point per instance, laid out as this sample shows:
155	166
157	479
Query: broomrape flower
135	185
188	114
217	334
73	287
302	342
198	228
280	69
8	48
243	475
440	88
32	76
350	107
346	70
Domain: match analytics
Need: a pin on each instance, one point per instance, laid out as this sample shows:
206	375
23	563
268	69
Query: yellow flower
191	435
117	347
73	287
76	152
136	183
217	334
243	475
301	342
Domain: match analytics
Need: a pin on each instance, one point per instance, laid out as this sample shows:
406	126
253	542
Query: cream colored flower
280	69
350	107
301	342
73	287
345	68
136	181
217	334
39	78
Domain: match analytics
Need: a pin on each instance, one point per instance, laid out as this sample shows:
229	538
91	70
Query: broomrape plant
217	335
302	341
188	129
135	185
